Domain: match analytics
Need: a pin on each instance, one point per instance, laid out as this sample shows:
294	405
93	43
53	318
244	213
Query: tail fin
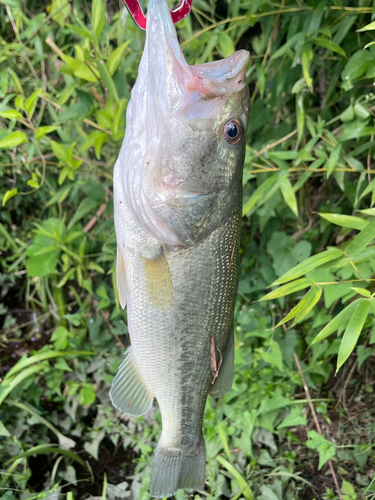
173	470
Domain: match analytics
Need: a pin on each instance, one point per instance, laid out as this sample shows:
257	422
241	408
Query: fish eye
233	131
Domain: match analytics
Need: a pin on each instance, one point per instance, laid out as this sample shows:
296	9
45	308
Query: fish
177	192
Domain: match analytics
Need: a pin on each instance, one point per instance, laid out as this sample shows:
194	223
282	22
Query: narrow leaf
333	159
362	239
289	288
309	264
245	488
9	194
337	321
304	306
352	332
345	221
259	193
288	193
115	57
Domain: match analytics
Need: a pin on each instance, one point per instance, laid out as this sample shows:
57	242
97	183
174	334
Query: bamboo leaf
328	44
289	288
309	264
337	321
303	307
288	193
362	239
333	159
345	221
258	194
352	332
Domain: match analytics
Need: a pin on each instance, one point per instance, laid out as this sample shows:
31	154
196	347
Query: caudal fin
173	470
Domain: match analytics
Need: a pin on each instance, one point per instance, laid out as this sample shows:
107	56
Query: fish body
178	202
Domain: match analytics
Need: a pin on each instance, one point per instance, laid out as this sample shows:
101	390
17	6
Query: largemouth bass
178	202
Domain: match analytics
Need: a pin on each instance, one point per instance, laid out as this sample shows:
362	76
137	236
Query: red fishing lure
140	19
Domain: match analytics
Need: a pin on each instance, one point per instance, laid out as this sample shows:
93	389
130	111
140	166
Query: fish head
182	157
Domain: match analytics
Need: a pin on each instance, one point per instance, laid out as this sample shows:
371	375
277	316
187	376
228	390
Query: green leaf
13	139
84	208
97	17
82	70
368	27
7	388
47	448
328	44
274	356
294	418
306	58
337	321
259	194
107	79
357	65
345	221
63	440
333	159
301	310
288	193
352	332
31	102
10	114
37	358
369	211
9	194
82	31
289	288
245	488
300	114
115	57
325	448
226	44
361	291
362	239
42	131
309	264
62	9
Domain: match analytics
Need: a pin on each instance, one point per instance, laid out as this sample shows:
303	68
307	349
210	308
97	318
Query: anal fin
121	278
224	379
129	392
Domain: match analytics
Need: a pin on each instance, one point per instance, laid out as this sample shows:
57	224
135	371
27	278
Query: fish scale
177	211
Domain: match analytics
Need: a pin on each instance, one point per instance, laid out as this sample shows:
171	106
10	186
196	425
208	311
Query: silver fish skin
177	211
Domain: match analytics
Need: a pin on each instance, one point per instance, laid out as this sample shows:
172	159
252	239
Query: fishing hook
135	10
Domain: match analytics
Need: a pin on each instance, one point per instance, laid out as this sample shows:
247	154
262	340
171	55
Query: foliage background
66	71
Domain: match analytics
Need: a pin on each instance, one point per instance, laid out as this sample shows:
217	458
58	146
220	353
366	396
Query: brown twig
318	428
276	143
89	225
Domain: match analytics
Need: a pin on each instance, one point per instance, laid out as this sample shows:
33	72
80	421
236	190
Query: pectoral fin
129	393
224	379
158	281
121	278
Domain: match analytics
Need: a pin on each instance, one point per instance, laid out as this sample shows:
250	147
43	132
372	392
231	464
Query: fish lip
224	69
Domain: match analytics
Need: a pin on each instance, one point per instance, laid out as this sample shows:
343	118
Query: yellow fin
159	281
121	278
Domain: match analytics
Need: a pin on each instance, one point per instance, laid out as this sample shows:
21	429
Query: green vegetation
66	71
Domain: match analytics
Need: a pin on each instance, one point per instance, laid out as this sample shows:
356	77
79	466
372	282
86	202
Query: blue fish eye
233	131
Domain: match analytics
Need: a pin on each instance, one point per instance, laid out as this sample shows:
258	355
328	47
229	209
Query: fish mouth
225	69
